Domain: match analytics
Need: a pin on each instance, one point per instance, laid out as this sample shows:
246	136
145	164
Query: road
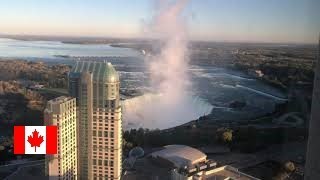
6	171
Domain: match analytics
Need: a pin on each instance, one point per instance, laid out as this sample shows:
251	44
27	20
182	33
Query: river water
50	49
212	89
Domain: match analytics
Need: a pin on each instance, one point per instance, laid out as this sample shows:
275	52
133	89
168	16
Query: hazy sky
218	20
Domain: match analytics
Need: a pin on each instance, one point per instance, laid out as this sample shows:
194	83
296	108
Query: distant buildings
96	87
37	86
312	168
62	113
255	73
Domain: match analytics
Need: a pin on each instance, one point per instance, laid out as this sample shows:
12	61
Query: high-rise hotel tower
96	87
61	112
312	167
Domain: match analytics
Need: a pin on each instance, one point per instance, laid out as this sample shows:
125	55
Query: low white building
180	155
188	163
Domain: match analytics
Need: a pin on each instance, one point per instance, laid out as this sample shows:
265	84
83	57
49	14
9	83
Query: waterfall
148	111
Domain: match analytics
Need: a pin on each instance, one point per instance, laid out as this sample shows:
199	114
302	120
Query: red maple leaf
35	140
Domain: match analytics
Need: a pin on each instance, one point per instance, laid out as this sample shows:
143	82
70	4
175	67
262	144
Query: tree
227	136
285	170
289	166
224	135
126	144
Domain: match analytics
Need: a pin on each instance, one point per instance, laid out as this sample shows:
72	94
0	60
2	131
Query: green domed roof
111	74
101	70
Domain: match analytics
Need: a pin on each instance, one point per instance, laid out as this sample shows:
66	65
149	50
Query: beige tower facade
62	113
96	87
312	168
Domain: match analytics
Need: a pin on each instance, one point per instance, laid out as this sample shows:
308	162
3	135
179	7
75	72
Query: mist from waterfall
171	104
169	67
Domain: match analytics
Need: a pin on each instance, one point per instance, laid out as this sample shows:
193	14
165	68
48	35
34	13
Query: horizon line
105	37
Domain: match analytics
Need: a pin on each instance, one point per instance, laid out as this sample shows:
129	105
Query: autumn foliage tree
285	171
224	135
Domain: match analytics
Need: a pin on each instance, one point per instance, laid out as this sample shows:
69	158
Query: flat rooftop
60	99
224	172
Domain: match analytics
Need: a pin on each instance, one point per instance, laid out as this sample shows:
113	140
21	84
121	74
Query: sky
293	21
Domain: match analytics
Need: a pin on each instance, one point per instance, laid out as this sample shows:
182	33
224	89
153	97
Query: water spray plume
171	105
169	67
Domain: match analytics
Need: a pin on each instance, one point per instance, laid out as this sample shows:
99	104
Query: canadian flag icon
35	140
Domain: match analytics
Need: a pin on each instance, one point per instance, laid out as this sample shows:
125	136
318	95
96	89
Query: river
212	89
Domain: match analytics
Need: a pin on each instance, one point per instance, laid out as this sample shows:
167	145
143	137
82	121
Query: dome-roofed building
180	155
